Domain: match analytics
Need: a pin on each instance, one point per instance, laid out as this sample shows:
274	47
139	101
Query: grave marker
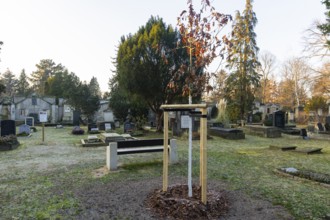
29	121
8	127
320	126
24	129
107	126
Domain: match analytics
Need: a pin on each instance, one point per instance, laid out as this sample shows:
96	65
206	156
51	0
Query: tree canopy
147	63
325	27
45	69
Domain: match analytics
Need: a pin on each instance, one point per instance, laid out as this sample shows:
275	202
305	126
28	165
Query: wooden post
165	153
43	132
203	140
203	149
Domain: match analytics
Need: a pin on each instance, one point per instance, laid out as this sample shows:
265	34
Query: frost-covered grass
37	180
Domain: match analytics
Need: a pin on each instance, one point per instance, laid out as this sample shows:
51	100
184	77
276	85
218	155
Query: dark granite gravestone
303	133
24	129
76	118
320	126
8	127
128	127
91	126
327	119
279	119
29	121
35	117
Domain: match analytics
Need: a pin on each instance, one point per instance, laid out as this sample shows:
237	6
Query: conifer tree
23	87
242	63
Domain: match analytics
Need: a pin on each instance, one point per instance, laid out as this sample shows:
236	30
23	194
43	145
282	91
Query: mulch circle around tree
176	203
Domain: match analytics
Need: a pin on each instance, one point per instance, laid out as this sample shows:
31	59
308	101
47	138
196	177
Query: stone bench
138	146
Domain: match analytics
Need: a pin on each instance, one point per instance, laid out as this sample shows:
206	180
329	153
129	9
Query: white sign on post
43	116
185	121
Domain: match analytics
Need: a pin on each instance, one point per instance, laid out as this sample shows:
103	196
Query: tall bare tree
316	42
321	84
296	82
265	69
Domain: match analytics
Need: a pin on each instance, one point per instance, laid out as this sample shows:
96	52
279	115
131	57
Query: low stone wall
263	131
227	133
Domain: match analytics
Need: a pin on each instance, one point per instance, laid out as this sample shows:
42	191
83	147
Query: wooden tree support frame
203	140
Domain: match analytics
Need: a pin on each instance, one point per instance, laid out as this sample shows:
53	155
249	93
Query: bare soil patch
136	199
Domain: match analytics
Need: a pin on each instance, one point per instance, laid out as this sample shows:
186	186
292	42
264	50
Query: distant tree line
51	79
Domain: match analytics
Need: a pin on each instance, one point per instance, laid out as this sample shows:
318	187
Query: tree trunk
159	121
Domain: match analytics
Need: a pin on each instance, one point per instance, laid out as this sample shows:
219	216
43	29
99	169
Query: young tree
200	36
243	63
147	63
23	87
8	79
45	69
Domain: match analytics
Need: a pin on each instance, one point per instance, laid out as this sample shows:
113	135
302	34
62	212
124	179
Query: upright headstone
8	127
279	119
327	119
117	124
320	126
107	126
92	126
24	129
29	121
76	118
303	133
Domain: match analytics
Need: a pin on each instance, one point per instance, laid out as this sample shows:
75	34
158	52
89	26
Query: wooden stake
165	153
203	139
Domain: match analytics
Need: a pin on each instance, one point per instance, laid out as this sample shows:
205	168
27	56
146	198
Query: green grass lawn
26	192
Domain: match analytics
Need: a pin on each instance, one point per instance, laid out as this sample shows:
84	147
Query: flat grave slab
309	150
227	133
111	137
283	148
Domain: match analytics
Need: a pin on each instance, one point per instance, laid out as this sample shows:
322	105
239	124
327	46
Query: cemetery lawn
59	179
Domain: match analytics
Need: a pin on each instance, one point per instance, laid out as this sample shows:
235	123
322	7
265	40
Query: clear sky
83	35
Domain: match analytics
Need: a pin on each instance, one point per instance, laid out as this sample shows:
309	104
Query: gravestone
35	117
24	129
8	127
29	121
303	133
107	126
320	126
92	125
76	118
279	119
117	124
128	127
327	119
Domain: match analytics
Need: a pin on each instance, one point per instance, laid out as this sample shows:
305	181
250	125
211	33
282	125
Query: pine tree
242	62
23	88
8	79
45	69
94	87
